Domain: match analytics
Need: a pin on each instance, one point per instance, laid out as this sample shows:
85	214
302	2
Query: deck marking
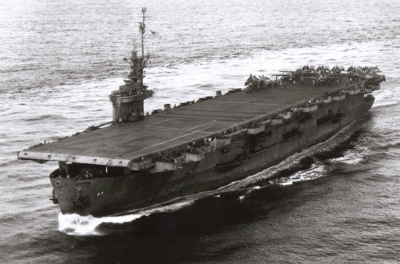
189	128
161	121
209	123
172	139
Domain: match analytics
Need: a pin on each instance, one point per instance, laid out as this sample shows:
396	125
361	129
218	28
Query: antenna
142	29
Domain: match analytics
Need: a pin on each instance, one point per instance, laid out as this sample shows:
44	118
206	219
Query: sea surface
337	202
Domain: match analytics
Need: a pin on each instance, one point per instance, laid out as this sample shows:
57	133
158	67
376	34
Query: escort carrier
138	160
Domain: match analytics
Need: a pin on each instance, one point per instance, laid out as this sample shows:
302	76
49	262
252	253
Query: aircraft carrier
138	160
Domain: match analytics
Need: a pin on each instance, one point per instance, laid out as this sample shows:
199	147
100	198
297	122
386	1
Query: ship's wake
77	225
74	224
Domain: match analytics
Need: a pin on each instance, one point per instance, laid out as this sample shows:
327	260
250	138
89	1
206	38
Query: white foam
74	224
316	171
163	208
350	157
77	225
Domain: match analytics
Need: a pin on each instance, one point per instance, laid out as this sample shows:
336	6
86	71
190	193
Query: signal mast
128	100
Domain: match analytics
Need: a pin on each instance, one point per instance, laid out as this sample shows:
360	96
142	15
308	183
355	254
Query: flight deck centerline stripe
160	122
194	132
168	128
209	123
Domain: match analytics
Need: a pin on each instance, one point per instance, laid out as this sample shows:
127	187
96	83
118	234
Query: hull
246	154
140	160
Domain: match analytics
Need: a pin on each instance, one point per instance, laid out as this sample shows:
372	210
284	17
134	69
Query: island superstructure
140	160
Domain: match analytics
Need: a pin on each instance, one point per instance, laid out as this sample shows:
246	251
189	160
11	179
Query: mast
142	29
128	100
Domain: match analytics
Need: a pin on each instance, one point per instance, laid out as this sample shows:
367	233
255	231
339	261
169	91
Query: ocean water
337	202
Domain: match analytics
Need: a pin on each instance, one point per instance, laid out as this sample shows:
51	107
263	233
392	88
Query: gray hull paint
105	196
